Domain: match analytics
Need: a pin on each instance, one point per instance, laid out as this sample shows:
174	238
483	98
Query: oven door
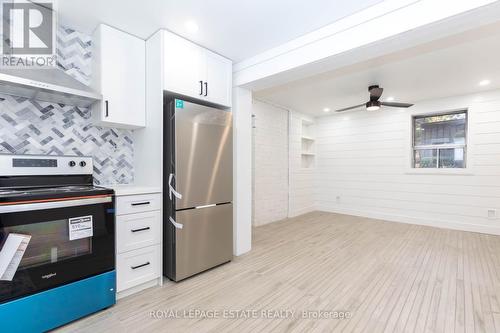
71	239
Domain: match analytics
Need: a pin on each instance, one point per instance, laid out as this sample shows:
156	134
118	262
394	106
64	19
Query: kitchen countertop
131	189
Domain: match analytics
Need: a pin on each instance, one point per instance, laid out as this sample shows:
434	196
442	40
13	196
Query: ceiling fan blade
396	105
350	108
375	93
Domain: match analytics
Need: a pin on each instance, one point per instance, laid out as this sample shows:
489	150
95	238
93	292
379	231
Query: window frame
439	147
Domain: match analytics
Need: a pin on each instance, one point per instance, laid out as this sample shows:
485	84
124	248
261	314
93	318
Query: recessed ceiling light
484	82
326	110
389	99
191	26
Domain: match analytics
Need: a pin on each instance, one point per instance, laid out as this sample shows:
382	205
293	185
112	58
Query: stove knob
83	163
72	163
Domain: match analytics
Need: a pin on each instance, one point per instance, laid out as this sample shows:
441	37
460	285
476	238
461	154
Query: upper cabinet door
218	79
120	74
183	66
190	70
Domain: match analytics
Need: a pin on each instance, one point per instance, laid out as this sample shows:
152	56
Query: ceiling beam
387	27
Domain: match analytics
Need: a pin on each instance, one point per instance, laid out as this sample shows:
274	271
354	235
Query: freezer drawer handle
140	203
141	229
171	188
139	266
176	225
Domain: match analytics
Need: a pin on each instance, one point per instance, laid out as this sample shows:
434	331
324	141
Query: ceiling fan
374	104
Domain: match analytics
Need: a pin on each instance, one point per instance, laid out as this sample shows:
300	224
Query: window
440	140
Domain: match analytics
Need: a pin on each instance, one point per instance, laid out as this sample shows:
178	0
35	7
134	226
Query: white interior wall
242	170
281	186
363	167
270	165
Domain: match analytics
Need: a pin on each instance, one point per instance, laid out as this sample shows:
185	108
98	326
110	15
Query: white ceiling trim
406	15
450	66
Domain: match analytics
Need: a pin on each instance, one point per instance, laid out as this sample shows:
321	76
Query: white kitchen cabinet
137	267
138	239
119	73
127	204
219	74
135	231
193	71
183	66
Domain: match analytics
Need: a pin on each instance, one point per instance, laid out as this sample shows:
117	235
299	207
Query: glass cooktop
22	194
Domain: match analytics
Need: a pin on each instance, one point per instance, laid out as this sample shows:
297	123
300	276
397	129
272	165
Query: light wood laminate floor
390	277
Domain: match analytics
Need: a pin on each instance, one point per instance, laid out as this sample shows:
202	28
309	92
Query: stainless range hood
50	85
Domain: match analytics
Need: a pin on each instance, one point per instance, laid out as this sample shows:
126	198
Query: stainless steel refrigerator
198	188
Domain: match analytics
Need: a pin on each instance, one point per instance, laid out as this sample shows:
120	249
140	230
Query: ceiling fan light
373	105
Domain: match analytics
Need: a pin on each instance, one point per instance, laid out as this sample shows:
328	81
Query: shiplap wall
270	167
281	187
301	180
363	167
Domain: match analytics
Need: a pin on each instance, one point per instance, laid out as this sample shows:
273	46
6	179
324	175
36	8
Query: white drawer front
138	266
135	231
138	203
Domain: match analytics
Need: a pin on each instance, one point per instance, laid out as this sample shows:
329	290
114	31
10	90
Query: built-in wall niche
308	150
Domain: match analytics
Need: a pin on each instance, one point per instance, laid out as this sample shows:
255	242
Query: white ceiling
235	29
447	67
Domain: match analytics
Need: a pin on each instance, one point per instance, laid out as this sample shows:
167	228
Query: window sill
444	172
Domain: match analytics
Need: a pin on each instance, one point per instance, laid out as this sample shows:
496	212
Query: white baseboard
301	211
267	222
485	229
294	213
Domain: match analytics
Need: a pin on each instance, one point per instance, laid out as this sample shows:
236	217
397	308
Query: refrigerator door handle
176	225
171	189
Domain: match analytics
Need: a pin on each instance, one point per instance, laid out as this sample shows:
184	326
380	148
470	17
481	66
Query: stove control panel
27	165
34	163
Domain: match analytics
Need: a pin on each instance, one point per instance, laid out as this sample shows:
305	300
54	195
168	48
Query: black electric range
66	229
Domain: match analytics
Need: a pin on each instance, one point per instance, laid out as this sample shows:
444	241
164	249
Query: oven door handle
30	206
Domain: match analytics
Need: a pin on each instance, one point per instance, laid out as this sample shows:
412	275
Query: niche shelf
307	145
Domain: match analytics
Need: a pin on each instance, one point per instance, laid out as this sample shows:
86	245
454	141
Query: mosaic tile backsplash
36	127
74	53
